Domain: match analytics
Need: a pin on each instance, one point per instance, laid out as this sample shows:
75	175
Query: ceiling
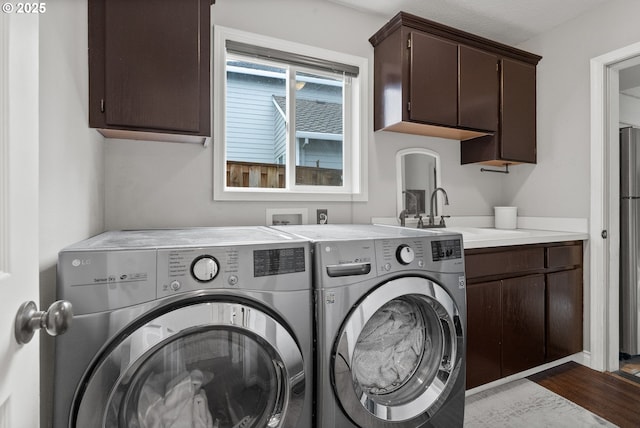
506	21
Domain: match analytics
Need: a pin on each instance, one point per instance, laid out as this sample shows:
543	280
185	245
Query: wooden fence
271	175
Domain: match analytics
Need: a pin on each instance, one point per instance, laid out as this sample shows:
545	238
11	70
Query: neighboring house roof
315	116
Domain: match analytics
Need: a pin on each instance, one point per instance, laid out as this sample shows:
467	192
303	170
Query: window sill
288	196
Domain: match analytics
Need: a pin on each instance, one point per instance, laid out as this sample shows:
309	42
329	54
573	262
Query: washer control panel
342	261
400	254
419	253
247	267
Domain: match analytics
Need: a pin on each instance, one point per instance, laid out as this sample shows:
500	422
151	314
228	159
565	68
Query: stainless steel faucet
431	221
402	217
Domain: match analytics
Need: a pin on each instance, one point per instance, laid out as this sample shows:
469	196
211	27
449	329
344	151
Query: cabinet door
433	80
564	313
484	326
518	111
523	330
149	65
478	94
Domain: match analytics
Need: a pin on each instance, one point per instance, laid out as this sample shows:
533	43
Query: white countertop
483	237
477	232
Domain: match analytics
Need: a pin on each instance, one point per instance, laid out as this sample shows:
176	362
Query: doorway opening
605	212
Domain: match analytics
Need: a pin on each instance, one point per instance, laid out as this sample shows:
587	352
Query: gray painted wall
559	184
153	184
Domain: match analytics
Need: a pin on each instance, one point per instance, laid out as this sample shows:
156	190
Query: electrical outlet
322	216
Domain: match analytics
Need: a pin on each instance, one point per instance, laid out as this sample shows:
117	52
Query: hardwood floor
611	397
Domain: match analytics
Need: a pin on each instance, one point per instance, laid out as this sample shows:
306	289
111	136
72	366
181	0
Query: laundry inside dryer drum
402	337
218	378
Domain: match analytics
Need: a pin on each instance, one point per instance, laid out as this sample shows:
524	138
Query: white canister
505	217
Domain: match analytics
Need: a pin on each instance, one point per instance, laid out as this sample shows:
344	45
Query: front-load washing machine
203	327
391	318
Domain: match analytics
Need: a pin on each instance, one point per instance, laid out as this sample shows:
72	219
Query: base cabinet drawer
563	256
508	261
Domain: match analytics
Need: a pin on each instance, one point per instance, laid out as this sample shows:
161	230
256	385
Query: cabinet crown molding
422	24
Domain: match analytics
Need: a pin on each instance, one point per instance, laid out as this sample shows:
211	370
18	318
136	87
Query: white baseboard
583	358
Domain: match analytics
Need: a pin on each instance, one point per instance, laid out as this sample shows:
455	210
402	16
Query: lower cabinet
484	333
564	313
524	311
522	323
505	328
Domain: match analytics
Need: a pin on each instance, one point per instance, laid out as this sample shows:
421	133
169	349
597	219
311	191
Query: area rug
523	403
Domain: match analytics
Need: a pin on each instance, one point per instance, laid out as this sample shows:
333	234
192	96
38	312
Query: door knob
55	320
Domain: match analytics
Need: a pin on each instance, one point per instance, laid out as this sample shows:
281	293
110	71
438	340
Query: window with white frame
287	119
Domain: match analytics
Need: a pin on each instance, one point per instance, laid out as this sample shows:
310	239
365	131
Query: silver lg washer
206	327
391	318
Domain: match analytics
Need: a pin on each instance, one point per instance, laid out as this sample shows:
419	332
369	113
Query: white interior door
19	364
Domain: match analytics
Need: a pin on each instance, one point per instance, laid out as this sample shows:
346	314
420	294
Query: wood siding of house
280	134
249	125
322	153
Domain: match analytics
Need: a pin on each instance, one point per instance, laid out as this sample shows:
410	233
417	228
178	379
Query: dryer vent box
286	216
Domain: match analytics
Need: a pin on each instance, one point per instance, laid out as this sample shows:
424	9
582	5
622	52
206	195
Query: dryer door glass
393	344
215	364
216	377
399	353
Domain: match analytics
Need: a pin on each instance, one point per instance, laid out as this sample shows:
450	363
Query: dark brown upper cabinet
477	89
149	71
433	85
516	140
459	89
431	79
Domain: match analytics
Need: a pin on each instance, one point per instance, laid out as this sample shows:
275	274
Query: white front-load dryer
391	320
203	327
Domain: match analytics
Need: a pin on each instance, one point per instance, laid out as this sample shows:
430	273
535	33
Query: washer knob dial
405	254
204	268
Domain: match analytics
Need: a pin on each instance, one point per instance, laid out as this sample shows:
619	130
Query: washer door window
398	354
209	365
